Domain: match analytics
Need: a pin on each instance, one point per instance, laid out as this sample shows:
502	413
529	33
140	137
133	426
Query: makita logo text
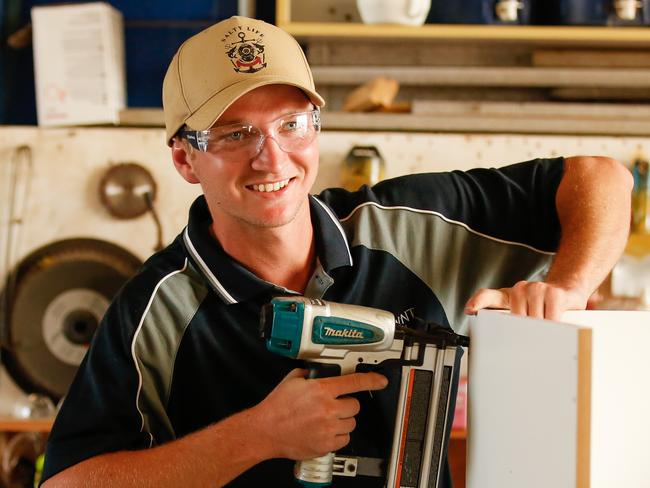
353	334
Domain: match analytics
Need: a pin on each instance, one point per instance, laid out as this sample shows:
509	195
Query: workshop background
88	191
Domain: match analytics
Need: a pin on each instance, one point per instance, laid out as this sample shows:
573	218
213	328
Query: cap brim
206	115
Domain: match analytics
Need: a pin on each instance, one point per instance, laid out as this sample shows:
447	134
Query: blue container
17	99
592	12
479	12
153	31
175	10
168	10
149	49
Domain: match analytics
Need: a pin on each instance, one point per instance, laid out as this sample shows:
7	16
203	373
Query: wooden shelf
537	34
12	424
491	123
482	76
610	36
462	120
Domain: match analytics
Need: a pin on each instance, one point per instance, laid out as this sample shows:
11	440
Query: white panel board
522	394
620	426
536	419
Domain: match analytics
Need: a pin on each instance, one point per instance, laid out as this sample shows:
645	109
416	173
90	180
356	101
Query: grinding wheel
59	296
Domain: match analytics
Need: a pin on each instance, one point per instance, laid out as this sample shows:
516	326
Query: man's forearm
300	419
210	457
593	203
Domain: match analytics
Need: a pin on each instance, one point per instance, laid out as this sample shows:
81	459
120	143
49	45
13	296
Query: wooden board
505	76
462	117
142	117
591	58
488	124
598	93
533	109
12	424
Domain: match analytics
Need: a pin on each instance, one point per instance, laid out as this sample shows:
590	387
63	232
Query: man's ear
184	160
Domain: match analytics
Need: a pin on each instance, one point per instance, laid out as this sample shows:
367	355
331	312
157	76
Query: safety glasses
292	132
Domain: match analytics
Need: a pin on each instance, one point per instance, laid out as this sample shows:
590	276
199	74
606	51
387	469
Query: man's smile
270	187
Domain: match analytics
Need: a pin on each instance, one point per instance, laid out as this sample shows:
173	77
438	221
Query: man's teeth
271	186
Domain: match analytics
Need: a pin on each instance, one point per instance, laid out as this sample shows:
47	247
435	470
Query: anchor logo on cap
246	55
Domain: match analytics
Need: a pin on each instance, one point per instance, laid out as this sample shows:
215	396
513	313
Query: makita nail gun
345	336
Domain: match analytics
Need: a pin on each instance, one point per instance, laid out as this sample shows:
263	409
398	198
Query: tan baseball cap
225	61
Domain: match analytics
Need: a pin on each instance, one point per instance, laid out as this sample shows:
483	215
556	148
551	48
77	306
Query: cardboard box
78	64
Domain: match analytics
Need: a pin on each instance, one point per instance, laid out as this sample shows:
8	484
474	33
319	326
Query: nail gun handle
315	472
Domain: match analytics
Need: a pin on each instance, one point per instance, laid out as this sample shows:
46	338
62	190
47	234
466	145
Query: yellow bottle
363	165
638	244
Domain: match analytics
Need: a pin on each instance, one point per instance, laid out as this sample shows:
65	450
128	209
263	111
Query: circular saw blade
60	294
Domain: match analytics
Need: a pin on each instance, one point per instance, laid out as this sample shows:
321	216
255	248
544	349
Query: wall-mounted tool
128	190
59	296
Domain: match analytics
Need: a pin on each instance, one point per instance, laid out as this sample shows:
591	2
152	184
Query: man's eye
293	125
236	135
231	136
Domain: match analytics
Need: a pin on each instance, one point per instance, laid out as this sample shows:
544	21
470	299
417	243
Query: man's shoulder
445	192
160	264
412	190
168	265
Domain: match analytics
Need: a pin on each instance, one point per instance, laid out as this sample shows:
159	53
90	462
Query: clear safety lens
291	132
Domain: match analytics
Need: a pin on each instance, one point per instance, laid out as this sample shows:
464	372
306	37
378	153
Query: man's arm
210	457
593	205
300	419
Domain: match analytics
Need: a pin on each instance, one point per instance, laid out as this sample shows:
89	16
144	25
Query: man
178	389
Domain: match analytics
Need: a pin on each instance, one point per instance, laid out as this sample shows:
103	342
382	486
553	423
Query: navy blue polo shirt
179	347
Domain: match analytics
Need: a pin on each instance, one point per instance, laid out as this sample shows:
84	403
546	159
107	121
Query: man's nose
270	158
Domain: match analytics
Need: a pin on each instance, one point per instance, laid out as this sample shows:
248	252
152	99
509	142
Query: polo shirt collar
232	281
331	243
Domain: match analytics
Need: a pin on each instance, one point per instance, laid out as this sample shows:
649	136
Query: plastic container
480	12
592	12
407	12
363	165
640	194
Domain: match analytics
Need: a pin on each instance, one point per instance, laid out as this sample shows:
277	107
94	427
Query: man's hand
305	418
531	298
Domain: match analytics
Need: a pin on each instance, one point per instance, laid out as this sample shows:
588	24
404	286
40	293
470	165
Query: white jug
408	12
508	10
627	9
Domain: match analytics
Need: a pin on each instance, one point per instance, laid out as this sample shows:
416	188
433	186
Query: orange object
460	413
372	95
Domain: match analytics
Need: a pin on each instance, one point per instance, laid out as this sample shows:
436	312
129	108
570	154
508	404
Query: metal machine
344	336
